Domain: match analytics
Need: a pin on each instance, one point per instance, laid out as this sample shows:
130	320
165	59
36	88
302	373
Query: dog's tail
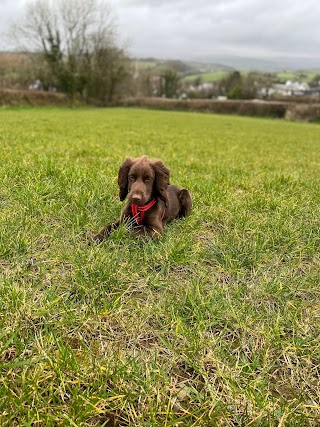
186	203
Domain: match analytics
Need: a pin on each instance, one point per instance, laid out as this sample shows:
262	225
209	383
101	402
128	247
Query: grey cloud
190	29
185	28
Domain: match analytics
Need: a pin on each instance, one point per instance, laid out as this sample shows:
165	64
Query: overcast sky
272	30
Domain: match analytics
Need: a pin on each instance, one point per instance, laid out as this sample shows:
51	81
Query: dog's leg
186	203
105	231
155	231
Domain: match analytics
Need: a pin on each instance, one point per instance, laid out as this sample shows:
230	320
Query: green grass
306	76
217	324
208	77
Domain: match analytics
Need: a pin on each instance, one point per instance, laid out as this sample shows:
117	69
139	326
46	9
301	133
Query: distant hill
265	65
211	71
205	67
184	67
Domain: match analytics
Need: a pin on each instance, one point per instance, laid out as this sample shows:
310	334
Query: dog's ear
123	177
161	180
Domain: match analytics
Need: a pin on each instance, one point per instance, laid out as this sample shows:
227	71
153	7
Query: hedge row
303	112
247	108
11	97
255	108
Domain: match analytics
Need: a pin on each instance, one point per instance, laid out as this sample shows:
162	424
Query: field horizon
216	324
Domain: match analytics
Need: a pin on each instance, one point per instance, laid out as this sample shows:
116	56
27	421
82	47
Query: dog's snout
136	198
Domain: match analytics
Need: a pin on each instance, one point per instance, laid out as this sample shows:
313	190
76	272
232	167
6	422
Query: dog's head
143	179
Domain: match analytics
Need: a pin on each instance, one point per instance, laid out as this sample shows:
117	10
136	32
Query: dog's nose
136	198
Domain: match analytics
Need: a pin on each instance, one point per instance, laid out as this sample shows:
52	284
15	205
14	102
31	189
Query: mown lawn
217	324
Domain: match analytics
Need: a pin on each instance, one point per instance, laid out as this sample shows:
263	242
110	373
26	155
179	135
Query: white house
289	88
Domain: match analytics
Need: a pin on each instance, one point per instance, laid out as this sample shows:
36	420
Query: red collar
139	211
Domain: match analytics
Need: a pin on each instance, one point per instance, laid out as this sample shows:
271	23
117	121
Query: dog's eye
131	178
148	179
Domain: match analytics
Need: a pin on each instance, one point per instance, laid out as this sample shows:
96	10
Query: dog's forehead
142	164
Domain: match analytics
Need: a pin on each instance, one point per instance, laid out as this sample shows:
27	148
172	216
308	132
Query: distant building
205	87
36	85
289	88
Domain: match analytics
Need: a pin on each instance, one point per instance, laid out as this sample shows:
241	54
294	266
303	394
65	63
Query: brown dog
152	201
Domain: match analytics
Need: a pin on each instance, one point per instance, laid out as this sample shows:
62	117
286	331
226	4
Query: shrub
10	97
303	112
236	93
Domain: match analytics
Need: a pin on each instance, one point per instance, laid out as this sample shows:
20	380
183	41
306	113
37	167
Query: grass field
298	76
306	76
208	77
217	324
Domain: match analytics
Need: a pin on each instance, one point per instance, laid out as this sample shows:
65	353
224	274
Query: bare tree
74	38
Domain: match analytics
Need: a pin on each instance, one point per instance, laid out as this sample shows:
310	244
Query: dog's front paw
93	238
